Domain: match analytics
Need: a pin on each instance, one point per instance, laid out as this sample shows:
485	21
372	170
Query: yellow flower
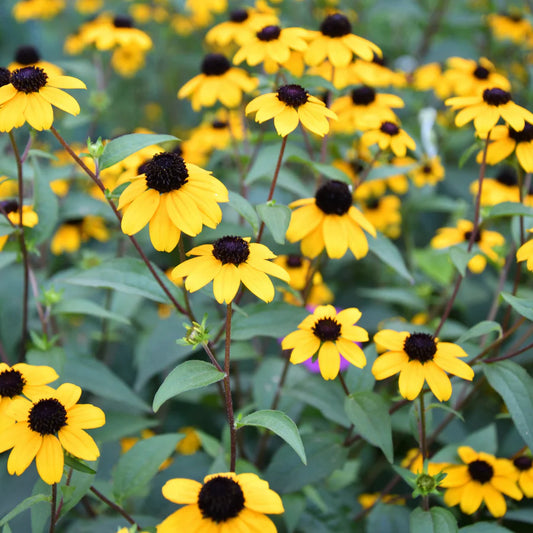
525	253
375	73
219	81
513	26
328	335
524	466
108	32
10	209
414	462
336	43
503	188
468	77
37	9
172	196
227	262
73	232
429	172
87	7
127	61
487	108
430	76
191	443
29	96
29	56
384	214
224	502
42	427
368	500
482	478
329	220
419	358
389	135
202	10
289	106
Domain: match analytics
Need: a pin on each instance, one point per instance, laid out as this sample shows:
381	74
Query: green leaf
187	376
515	386
280	424
506	209
485	527
385	250
141	463
80	484
80	306
78	464
388	519
436	520
435	264
329	171
23	505
523	306
482	328
245	209
460	258
369	413
386	171
125	145
276	218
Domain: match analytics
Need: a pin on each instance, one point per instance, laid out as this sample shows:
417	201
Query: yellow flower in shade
363	108
37	9
289	106
384	214
218	82
419	358
29	96
414	462
468	77
171	196
487	108
429	172
271	46
43	427
430	76
225	502
368	500
487	241
502	188
512	26
328	335
10	209
190	443
525	253
227	262
505	139
329	220
87	7
73	232
202	10
524	466
127	61
482	478
375	73
29	56
388	134
336	43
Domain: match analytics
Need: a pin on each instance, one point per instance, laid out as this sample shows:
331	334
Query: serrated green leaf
369	413
80	306
276	218
23	505
280	424
125	145
436	520
385	250
482	328
245	209
187	376
523	306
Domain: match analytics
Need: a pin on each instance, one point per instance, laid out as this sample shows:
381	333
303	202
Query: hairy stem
227	391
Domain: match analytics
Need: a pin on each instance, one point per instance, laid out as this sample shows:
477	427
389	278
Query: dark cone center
293	261
481	73
334	198
336	25
239	15
468	234
166	172
523	462
269	33
496	97
292	95
11	383
123	21
420	347
426	169
524	135
363	95
9	206
507	176
389	128
373	203
219	125
5	76
47	416
480	471
327	329
220	499
29	79
27	55
215	65
234	250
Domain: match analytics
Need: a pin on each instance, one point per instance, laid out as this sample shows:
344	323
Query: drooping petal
60	99
438	381
140	211
351	352
494	500
78	443
38	112
472	497
411	380
50	460
257	282
226	283
329	360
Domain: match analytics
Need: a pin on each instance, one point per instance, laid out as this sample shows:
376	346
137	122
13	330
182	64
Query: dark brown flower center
234	250
27	55
123	21
389	128
420	347
336	25
215	65
29	79
426	169
5	76
9	206
379	60
293	261
507	176
47	416
327	329
373	203
356	165
292	95
468	234
166	172
11	383
480	471
74	222
524	135
496	97
219	125
481	73
523	462
269	33
220	499
334	198
363	95
239	15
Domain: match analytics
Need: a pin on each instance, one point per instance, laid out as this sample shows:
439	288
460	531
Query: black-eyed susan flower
430	77
384	214
29	56
328	335
227	262
415	463
368	500
290	106
487	108
375	72
336	43
108	32
30	95
387	135
45	425
87	7
171	196
219	81
419	358
482	478
223	502
502	188
428	172
10	209
329	220
487	241
525	253
73	232
468	77
190	443
513	26
37	9
524	467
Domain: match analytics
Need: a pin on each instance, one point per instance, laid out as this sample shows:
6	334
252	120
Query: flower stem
115	507
423	442
53	508
273	184
344	386
227	390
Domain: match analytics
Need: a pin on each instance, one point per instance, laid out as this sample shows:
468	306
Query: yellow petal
78	443
60	99
438	381
257	282
388	364
286	121
140	211
85	416
180	490
38	112
50	460
411	380
226	283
